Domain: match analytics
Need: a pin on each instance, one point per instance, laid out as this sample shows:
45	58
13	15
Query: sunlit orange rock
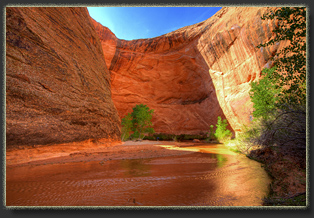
194	74
60	63
57	81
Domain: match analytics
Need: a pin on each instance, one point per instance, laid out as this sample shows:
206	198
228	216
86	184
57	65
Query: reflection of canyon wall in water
194	74
57	82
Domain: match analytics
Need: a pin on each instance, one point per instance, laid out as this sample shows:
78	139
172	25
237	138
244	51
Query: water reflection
203	178
221	160
136	167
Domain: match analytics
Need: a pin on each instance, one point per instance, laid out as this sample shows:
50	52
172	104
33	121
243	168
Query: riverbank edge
279	166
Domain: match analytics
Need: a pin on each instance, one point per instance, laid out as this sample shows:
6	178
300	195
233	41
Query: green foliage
222	133
211	134
280	96
291	60
265	94
246	140
139	121
126	123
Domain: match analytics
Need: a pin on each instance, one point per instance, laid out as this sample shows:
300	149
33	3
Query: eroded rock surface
57	81
59	70
194	74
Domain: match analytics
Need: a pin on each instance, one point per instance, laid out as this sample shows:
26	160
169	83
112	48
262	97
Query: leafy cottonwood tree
139	121
284	117
291	60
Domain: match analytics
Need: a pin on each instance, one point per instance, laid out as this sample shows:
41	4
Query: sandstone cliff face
229	47
57	82
194	74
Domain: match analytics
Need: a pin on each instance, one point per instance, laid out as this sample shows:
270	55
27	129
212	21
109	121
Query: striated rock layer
194	74
57	81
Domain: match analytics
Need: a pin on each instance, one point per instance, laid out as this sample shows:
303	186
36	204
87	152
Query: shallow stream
211	176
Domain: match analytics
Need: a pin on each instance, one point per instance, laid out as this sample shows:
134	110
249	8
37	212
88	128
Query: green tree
265	94
291	60
141	120
283	118
126	124
222	133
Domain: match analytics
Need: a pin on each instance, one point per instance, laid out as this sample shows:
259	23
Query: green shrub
265	94
222	133
246	140
139	121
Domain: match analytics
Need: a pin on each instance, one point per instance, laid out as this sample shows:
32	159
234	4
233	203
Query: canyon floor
88	151
146	173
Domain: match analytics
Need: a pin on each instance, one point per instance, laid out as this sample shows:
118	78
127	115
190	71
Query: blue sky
146	22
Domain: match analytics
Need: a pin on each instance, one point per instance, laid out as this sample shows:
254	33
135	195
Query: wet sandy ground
87	151
134	174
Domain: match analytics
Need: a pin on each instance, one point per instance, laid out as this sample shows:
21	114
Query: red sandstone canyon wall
57	81
68	78
194	74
